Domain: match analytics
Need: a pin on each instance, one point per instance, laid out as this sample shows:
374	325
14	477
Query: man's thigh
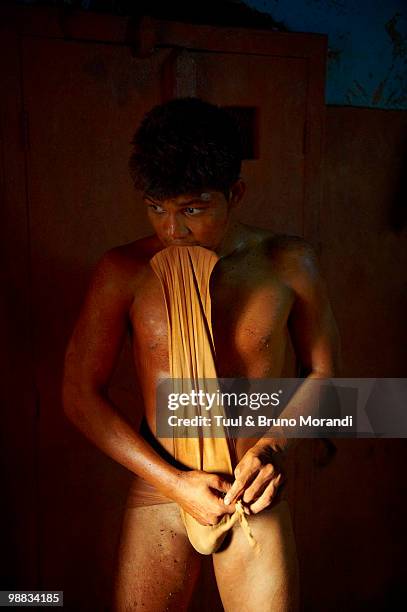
156	567
267	580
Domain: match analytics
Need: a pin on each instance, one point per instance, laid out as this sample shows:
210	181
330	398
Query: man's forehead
203	196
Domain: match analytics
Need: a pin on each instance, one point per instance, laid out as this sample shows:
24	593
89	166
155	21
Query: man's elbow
77	400
324	373
328	366
326	370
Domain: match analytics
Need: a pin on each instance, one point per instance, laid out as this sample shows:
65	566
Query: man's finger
235	491
253	492
228	509
245	472
266	497
259	484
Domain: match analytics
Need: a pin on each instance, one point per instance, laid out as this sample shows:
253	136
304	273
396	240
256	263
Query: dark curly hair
183	146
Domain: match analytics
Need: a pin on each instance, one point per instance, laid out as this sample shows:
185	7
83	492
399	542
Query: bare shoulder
291	251
285	245
289	255
297	263
124	265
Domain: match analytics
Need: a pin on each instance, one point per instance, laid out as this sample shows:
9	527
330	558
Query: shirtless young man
187	162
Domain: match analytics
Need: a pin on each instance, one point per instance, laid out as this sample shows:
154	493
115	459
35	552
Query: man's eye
156	208
193	211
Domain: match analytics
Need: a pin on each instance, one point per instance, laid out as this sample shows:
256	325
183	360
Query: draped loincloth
184	274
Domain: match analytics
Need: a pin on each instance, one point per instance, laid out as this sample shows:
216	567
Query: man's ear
237	192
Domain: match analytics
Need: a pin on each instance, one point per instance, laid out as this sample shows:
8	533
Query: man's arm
90	360
316	343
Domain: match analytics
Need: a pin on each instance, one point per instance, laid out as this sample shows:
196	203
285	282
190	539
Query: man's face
190	219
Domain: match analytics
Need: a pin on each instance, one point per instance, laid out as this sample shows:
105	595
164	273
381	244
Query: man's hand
201	495
257	477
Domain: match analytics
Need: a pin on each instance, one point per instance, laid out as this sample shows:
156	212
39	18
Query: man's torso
251	304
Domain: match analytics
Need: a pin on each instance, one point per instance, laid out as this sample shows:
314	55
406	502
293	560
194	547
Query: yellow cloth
184	273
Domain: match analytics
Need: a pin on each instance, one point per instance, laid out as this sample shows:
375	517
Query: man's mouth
181	243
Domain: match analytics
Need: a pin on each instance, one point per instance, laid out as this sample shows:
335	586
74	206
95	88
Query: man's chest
250	310
250	307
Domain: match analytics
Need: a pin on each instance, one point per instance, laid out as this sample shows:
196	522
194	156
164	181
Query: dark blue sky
368	46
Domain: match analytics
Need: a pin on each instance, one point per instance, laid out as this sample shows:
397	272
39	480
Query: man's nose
176	228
